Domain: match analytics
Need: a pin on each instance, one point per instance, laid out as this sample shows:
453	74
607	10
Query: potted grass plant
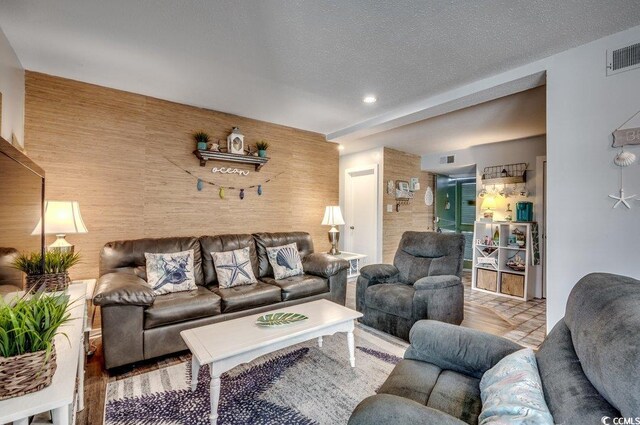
52	274
262	147
27	351
202	140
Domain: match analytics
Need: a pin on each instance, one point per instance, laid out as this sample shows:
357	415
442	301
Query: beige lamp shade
332	216
489	203
61	217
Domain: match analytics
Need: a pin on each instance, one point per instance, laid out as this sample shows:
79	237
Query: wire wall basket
505	174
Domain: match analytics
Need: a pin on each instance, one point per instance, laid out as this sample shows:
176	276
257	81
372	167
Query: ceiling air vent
447	159
623	59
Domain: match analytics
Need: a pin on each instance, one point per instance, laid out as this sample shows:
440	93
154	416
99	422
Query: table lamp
333	218
489	204
61	218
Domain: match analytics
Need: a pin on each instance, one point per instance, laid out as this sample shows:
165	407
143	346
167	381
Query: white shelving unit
491	273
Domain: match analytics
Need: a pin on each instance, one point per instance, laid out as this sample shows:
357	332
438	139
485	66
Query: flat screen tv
21	207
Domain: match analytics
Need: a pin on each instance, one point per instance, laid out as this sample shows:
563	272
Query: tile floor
528	317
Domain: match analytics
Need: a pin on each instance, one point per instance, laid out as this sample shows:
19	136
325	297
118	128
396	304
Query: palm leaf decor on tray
279	319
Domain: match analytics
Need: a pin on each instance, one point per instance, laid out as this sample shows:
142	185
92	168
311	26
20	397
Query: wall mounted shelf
204	156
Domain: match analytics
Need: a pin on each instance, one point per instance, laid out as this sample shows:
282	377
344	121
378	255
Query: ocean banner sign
629	136
225	170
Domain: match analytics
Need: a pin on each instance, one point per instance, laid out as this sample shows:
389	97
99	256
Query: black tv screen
21	205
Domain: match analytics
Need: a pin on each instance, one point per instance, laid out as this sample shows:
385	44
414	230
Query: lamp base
334	237
61	245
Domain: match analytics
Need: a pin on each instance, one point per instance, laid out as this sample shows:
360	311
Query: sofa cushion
181	306
301	286
248	296
450	392
391	298
233	268
285	261
221	243
511	392
170	272
269	240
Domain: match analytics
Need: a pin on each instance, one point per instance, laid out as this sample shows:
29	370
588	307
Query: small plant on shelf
202	140
262	147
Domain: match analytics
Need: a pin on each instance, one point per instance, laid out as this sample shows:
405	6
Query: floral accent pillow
171	272
233	268
285	261
511	392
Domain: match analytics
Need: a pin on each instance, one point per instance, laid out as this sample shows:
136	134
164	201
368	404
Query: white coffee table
226	345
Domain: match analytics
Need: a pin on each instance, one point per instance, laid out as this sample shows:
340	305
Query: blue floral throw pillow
233	268
171	272
511	392
285	261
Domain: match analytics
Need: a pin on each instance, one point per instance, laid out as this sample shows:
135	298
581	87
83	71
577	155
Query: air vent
623	59
448	159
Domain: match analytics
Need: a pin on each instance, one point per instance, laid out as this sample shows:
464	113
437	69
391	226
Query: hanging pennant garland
241	191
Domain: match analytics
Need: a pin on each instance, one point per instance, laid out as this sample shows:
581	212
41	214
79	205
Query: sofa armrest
123	289
436	282
455	348
379	273
324	265
387	409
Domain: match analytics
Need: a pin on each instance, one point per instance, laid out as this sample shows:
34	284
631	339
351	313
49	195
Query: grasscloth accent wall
415	216
106	148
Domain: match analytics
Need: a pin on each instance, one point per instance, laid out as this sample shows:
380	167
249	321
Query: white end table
355	262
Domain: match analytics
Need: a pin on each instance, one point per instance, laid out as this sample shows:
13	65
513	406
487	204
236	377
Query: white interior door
361	212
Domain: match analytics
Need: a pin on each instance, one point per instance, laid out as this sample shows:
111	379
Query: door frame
540	208
348	209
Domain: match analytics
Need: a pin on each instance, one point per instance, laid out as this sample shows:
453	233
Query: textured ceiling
306	64
512	117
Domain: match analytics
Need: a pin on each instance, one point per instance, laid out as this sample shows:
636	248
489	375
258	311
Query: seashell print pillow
285	261
511	392
170	272
233	268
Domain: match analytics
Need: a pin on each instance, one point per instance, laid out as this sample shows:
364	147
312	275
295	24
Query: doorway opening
361	212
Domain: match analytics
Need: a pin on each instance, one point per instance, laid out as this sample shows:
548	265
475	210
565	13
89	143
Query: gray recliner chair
423	283
589	364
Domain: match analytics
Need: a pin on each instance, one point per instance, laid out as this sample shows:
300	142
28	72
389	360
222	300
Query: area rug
300	385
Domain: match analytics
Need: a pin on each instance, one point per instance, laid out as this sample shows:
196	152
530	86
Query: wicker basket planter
50	282
26	373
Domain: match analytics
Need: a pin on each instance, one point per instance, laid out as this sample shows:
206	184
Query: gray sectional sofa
138	325
589	364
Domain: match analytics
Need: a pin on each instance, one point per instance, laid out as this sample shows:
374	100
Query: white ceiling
517	116
305	64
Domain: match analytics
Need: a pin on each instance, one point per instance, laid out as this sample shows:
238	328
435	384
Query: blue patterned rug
300	385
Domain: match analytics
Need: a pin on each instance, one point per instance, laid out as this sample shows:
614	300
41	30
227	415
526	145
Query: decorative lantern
235	142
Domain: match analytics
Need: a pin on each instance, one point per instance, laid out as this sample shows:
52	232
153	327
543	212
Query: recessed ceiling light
369	99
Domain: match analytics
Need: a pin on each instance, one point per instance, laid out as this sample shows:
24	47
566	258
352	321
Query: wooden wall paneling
417	215
107	149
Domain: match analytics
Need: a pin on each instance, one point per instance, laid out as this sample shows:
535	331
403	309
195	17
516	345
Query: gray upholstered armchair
423	283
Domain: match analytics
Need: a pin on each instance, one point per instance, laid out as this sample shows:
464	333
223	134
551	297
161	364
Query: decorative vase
202	146
262	153
26	373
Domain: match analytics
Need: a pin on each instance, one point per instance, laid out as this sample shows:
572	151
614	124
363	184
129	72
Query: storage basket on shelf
26	373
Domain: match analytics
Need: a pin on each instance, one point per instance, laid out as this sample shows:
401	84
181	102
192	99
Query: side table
60	396
355	262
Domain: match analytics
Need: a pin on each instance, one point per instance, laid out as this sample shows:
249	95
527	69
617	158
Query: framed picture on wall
402	185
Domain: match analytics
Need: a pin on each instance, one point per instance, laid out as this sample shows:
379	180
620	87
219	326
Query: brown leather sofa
138	325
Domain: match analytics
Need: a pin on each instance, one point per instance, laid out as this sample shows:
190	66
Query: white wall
584	106
12	89
513	151
361	159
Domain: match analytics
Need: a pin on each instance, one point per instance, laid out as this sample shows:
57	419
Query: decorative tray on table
280	319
